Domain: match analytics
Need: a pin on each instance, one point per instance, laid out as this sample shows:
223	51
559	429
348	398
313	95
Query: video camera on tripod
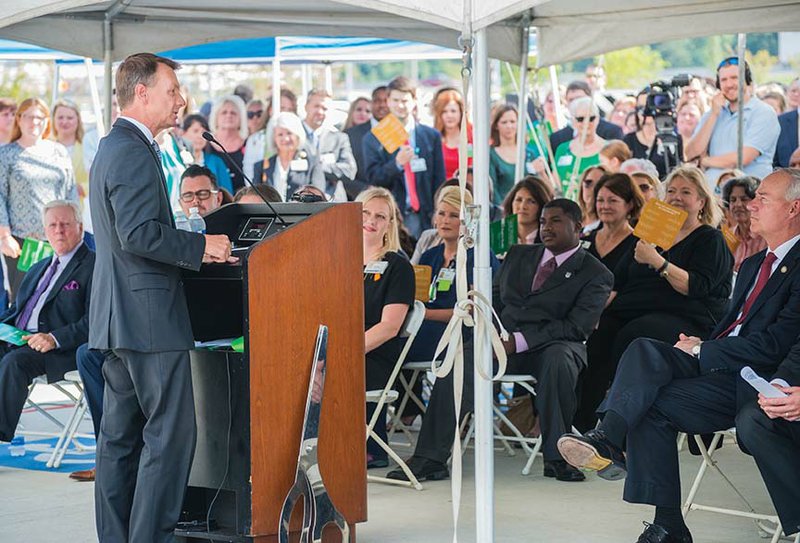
662	99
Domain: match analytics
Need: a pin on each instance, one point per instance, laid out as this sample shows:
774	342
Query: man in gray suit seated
331	147
138	315
550	296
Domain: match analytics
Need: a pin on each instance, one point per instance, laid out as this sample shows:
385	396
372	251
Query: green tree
761	64
633	67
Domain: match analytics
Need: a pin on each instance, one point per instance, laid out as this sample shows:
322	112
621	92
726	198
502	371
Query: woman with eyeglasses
33	171
589	177
228	121
526	201
645	143
389	288
737	194
193	127
618	202
291	167
583	150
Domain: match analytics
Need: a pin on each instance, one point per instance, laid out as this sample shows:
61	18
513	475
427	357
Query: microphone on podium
209	137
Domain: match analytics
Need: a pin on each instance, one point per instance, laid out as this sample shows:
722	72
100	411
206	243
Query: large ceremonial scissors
318	509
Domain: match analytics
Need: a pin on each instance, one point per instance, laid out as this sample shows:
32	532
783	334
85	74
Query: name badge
328	158
445	279
418	165
565	160
376	267
299	165
187	157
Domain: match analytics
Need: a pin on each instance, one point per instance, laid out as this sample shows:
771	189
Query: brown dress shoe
86	475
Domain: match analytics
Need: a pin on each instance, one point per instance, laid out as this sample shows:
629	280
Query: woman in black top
645	143
388	294
661	294
618	202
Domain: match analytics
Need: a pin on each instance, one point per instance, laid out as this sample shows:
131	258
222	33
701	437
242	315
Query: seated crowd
629	344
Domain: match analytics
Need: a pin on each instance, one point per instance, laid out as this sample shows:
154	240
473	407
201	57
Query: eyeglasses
203	194
591	118
255	114
306	197
730	61
645	187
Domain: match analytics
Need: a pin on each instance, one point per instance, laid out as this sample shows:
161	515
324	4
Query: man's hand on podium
218	249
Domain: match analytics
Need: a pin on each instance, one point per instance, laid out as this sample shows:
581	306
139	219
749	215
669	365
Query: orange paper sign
390	133
730	238
422	281
660	223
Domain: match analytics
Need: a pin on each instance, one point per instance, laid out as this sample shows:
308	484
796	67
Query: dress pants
556	370
605	347
90	368
146	445
775	444
659	391
378	372
18	368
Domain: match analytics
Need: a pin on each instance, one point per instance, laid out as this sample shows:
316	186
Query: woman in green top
503	152
583	150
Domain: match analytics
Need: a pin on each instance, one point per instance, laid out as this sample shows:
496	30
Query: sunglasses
255	114
591	118
730	61
201	195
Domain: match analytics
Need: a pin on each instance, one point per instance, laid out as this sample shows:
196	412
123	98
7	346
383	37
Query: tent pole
329	78
276	82
56	77
556	96
108	49
98	108
484	431
522	117
741	46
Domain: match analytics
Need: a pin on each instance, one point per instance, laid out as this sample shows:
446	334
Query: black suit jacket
605	129
566	308
787	141
295	179
771	328
382	169
138	300
65	313
356	134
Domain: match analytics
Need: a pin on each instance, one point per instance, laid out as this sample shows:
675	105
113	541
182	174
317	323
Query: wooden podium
250	406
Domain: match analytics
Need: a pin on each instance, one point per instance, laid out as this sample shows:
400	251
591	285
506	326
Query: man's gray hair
76	210
793	190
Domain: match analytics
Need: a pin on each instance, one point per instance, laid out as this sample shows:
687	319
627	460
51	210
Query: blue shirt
219	169
431	331
761	131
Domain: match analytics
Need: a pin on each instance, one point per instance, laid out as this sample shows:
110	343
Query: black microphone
209	137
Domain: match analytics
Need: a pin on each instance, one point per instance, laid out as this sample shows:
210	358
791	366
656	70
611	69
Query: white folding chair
419	370
409	331
709	461
41	408
70	432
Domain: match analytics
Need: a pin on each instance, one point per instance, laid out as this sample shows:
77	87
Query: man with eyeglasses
199	189
715	141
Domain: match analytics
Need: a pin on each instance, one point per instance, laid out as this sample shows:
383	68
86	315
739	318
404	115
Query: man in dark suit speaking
53	304
551	297
139	316
694	386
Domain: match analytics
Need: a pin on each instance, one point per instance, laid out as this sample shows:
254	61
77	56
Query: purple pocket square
72	285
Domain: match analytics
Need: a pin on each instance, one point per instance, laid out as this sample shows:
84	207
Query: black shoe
593	451
562	471
375	463
422	468
653	533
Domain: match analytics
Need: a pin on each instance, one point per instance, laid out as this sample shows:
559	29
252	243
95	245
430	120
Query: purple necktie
544	273
24	317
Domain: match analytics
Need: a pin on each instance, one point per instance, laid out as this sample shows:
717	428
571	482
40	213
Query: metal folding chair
70	431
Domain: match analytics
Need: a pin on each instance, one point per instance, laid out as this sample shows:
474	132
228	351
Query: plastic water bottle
196	223
181	222
17	446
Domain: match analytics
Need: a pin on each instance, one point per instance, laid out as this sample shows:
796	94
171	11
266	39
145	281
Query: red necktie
763	277
411	185
544	273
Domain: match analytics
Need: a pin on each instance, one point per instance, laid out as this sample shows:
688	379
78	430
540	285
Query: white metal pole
98	108
56	78
329	78
556	97
348	79
108	48
484	431
741	46
522	124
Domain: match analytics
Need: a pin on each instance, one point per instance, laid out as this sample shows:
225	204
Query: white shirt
280	179
142	128
63	262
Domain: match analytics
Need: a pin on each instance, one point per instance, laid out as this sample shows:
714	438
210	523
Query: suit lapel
563	272
786	268
67	273
747	284
527	270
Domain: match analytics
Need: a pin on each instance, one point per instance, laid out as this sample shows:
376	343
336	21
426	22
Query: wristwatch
696	350
663	271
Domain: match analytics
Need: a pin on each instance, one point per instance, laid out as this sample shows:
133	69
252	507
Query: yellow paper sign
422	281
659	223
390	133
730	238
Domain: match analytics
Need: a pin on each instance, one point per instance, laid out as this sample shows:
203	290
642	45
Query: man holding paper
694	386
53	307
